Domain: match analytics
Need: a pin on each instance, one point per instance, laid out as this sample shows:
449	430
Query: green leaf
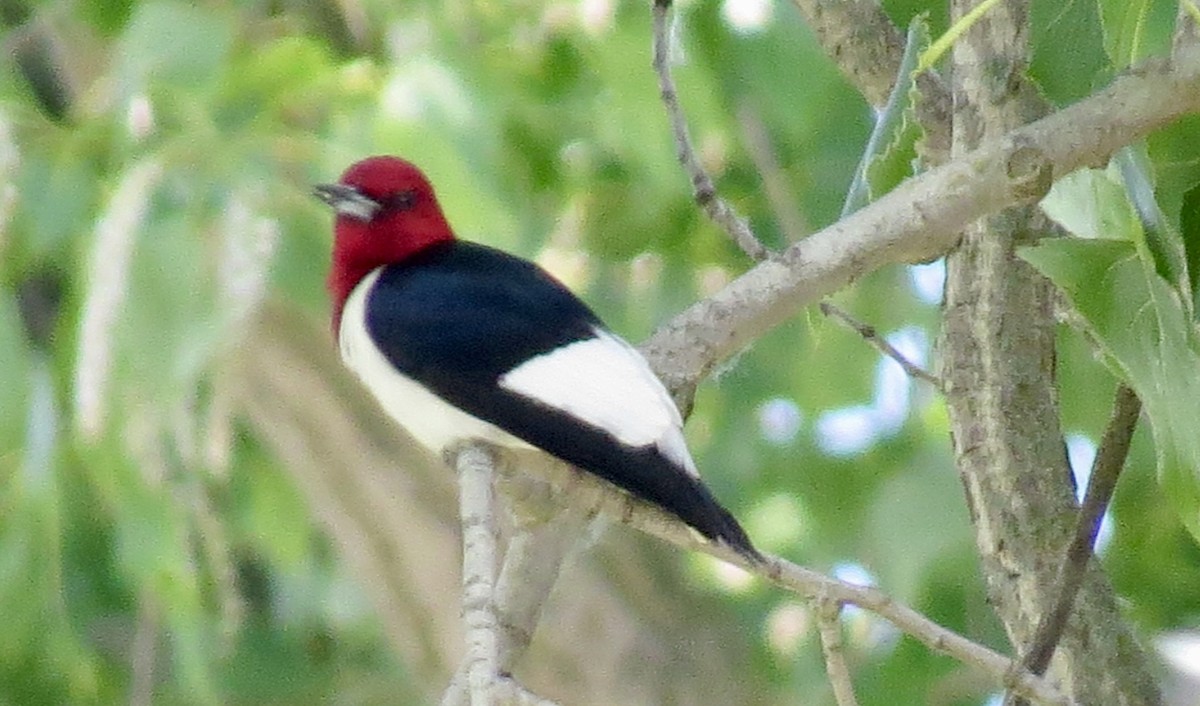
1162	241
1136	29
1120	203
1175	153
891	151
1142	325
1069	60
1189	230
1091	203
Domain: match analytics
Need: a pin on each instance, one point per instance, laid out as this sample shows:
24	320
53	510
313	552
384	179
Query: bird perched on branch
459	341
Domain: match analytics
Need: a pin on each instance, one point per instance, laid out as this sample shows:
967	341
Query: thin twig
474	465
595	495
703	190
829	625
937	638
1106	468
871	336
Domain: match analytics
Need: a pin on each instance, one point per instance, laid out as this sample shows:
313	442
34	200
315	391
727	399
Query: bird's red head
386	211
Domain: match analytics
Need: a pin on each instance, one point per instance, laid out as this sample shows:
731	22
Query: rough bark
999	370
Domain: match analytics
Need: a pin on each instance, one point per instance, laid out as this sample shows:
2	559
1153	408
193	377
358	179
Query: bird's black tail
712	520
643	471
650	476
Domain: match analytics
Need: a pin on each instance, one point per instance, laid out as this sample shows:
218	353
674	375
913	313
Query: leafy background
156	160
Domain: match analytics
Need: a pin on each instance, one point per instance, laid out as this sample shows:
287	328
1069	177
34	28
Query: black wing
458	316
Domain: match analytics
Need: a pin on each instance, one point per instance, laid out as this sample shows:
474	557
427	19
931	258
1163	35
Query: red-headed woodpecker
459	341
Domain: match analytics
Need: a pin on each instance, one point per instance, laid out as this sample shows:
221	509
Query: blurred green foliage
187	136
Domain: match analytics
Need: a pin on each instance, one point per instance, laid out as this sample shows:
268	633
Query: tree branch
703	190
998	362
546	529
1106	468
922	218
595	495
829	625
879	343
544	535
476	506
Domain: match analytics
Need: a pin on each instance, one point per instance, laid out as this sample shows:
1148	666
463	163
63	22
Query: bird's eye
401	201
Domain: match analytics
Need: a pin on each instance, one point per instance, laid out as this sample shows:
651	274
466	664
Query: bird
459	341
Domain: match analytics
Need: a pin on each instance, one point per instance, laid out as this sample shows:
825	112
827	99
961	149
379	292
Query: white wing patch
604	382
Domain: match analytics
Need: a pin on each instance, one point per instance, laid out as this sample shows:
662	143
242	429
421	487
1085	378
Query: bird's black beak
347	201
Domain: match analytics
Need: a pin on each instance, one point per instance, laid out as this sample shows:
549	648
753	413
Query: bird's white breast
432	421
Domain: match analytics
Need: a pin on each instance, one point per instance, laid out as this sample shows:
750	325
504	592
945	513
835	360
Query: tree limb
476	507
998	362
1106	468
533	560
545	533
923	217
595	495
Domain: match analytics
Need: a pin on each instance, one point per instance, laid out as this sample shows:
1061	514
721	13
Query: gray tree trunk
998	358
